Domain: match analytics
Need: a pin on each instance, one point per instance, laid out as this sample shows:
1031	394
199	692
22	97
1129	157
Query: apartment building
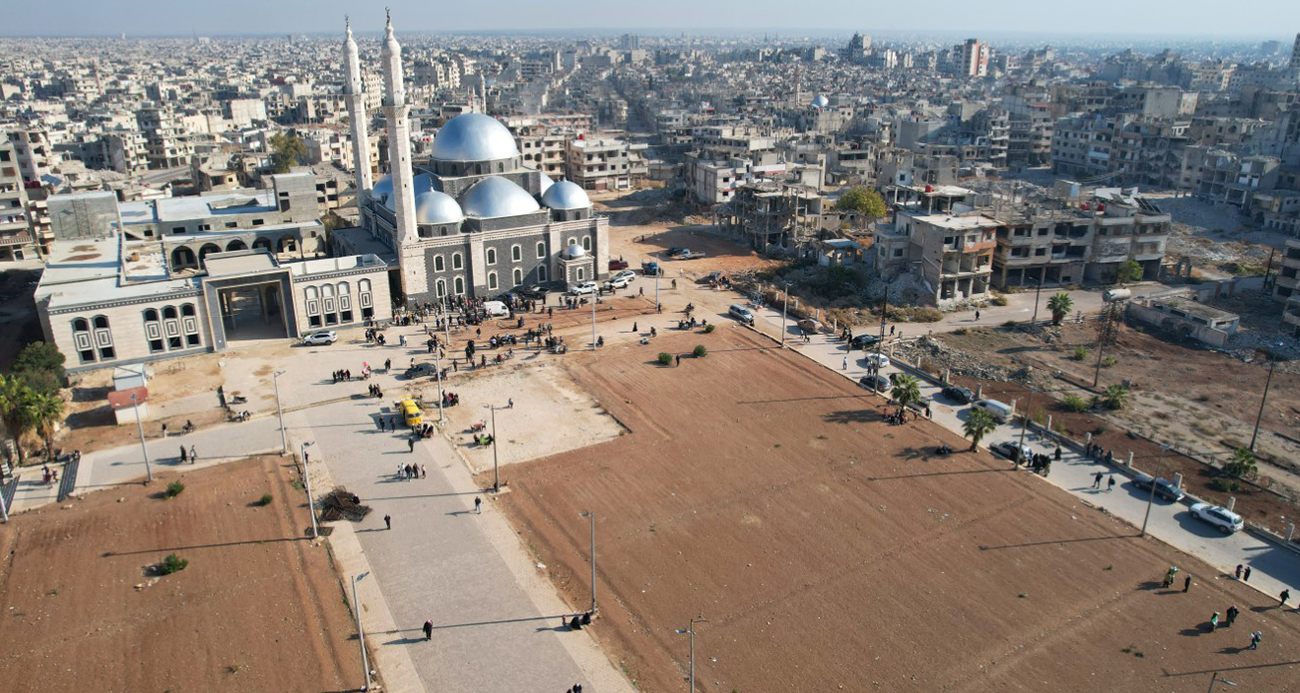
165	145
1287	286
544	146
605	163
774	215
939	236
16	242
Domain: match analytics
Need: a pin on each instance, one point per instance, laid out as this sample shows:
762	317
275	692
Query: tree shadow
852	416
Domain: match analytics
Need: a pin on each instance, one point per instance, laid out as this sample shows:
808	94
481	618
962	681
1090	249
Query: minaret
410	258
482	89
356	100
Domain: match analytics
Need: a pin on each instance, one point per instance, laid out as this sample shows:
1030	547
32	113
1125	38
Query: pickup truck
617	265
651	269
684	254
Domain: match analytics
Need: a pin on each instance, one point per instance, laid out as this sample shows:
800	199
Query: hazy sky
1254	18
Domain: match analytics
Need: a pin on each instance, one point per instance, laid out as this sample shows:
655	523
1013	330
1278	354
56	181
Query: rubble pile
939	358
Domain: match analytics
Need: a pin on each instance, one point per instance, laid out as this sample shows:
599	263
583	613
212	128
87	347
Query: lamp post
785	302
880	343
1024	424
657	273
591	519
148	472
361	633
1042	276
496	474
437	366
1151	497
690	629
594	299
306	480
1272	363
279	411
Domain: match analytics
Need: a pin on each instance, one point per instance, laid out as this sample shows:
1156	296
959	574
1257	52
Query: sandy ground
829	551
255	610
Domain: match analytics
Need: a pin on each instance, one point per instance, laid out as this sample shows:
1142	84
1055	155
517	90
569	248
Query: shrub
265	500
665	358
998	300
1074	403
172	564
174	489
961	332
1080	353
708	329
699	351
1107	361
1224	485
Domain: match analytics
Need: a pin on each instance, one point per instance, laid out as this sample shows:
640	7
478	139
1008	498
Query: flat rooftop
951	222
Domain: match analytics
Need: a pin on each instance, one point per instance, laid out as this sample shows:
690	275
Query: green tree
1061	304
1114	397
865	201
1243	464
16	399
43	411
39	356
907	390
1129	271
978	424
287	151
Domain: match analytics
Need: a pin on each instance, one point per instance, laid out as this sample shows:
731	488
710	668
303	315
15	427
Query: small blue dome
435	207
566	195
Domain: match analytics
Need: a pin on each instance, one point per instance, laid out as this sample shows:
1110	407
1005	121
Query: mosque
473	221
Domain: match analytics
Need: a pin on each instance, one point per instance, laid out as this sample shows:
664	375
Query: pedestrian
388	365
410	444
1057	454
1110	485
388	522
1214	622
1233	611
633	328
478	505
510	403
1239	571
1096	480
184	455
428	630
1254	640
844	365
1244	576
891	330
194	457
423	473
164	430
977	316
679	359
1187	583
1286	594
381	423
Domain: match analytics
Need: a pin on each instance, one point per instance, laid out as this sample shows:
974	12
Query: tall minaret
415	280
356	99
482	89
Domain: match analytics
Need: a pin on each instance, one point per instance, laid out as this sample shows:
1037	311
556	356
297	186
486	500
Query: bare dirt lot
828	551
257	608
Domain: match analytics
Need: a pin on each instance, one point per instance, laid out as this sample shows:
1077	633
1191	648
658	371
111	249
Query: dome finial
347	24
388	27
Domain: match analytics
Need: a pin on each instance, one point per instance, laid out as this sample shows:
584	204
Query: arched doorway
236	245
263	244
287	244
205	251
183	258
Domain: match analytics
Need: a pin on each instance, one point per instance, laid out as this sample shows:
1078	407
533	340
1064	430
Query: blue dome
382	187
473	137
566	195
421	184
820	101
495	196
435	207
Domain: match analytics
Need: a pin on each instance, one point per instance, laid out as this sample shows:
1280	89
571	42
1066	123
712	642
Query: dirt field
255	610
829	552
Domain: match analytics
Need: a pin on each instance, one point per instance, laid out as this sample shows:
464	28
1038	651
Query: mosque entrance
253	312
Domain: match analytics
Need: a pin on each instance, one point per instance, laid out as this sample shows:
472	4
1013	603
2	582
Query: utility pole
1272	363
148	473
591	519
594	299
306	480
361	633
279	411
884	311
1024	424
437	367
690	629
1107	331
1042	276
785	303
496	474
1151	497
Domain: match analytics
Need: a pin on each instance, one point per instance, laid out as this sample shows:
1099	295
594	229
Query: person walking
388	522
1110	485
679	359
1187	583
634	328
1254	640
977	316
423	473
428	630
194	456
184	455
410	444
1232	614
1244	576
1238	571
478	505
1096	480
164	430
381	424
1214	622
1282	598
844	365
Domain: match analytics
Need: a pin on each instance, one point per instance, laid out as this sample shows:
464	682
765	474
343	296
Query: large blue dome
473	137
497	197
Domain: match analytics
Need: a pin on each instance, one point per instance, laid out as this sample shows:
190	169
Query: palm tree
1115	397
907	390
15	399
1243	464
44	410
979	424
1060	305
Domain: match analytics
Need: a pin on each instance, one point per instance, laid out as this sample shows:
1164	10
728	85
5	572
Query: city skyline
826	17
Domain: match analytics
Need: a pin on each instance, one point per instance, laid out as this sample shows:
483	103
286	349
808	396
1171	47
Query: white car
583	288
877	360
315	338
1226	520
618	281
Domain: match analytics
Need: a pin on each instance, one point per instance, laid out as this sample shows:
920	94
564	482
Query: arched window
541	249
440	288
103	338
344	289
363	286
518	276
153	332
492	256
187	310
438	264
581	274
80	325
492	280
572	241
456	262
541	273
151	315
169	312
83	340
586	243
460	285
101	322
516	253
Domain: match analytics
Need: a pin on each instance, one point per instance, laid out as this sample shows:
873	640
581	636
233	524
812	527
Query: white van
742	314
496	309
998	410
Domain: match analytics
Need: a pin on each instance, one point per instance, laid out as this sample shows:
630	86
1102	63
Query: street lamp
1024	424
437	366
1151	497
279	411
496	474
591	518
361	633
306	480
594	300
1272	363
148	473
1214	678
785	302
690	629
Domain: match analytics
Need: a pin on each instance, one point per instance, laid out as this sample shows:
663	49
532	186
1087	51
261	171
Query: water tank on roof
929	188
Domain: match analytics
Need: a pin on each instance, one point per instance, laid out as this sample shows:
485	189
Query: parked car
1000	411
1226	520
318	338
537	292
877	360
1008	448
496	309
1164	488
742	314
629	275
808	325
874	382
958	394
418	370
617	282
617	265
863	341
583	288
651	269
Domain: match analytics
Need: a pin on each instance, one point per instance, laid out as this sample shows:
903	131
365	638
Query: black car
874	382
536	292
958	394
1164	489
863	341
